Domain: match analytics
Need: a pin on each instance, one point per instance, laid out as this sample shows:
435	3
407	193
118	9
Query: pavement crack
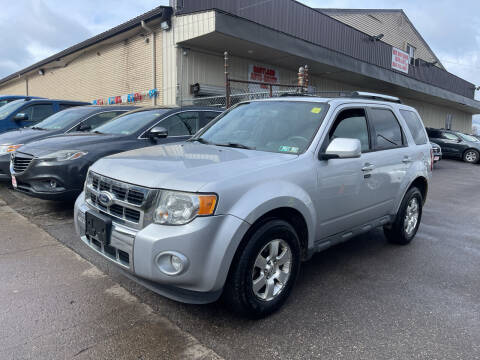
83	350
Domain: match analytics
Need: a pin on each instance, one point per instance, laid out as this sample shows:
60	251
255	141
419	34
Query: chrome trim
150	196
14	155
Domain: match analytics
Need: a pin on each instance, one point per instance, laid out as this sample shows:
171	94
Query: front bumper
5	167
208	243
36	180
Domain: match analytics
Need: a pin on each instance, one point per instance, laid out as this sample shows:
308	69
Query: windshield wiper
37	128
200	140
235	145
96	132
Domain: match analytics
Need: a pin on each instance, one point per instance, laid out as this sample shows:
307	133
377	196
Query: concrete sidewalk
56	305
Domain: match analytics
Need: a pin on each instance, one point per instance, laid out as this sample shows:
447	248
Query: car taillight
431	159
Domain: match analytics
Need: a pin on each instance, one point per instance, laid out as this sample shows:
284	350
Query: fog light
172	263
176	263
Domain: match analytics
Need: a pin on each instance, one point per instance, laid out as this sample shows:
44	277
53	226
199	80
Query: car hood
184	166
66	142
23	136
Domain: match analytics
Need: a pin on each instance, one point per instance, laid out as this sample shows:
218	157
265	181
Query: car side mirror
342	148
158	132
459	140
84	127
20	117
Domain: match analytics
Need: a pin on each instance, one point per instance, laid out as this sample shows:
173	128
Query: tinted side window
386	130
27	111
41	112
98	119
450	136
175	126
415	126
434	134
207	117
191	119
351	124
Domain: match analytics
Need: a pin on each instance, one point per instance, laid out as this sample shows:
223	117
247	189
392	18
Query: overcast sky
34	29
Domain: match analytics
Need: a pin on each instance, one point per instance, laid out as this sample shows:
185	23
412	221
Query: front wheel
408	218
471	156
265	270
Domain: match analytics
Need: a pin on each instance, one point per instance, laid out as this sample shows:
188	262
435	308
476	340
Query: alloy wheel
271	270
411	216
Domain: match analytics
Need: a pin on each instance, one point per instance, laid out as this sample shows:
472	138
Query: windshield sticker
291	149
316	110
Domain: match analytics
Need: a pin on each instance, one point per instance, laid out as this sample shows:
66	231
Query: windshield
63	119
468	137
130	123
7	109
3	102
274	126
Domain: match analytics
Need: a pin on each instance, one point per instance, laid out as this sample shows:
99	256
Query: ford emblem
105	198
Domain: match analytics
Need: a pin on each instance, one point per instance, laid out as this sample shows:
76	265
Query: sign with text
400	60
263	74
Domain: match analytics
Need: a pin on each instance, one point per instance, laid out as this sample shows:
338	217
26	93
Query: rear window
387	132
415	126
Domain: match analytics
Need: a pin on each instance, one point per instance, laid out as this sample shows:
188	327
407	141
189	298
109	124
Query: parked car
55	168
76	119
28	112
235	209
456	145
5	99
437	152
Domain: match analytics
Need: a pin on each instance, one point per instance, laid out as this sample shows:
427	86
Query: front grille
21	162
119	256
129	201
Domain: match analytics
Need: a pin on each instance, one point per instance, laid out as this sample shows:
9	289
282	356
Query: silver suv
237	208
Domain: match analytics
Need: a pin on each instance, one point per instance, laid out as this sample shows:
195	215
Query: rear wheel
265	270
408	218
471	156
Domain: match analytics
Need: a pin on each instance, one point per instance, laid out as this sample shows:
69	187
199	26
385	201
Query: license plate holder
436	158
98	227
14	182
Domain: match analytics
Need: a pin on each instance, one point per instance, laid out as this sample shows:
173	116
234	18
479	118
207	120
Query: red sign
263	74
400	60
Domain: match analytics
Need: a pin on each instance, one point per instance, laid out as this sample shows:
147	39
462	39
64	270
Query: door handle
406	160
368	167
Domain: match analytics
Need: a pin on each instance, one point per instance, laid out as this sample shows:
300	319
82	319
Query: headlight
64	155
178	208
7	149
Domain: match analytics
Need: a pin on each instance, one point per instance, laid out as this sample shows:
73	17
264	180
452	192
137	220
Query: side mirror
459	140
20	117
158	132
84	127
342	148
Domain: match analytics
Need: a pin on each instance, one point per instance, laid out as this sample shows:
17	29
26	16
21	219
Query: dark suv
454	144
28	112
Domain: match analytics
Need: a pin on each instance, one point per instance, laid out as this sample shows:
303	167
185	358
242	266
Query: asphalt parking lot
365	299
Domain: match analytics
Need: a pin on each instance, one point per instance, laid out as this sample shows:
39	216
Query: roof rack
373	96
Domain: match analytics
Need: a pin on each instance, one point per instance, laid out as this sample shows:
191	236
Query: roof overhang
244	38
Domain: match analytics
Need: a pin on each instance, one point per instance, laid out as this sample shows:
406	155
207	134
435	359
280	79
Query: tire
471	156
274	279
403	230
